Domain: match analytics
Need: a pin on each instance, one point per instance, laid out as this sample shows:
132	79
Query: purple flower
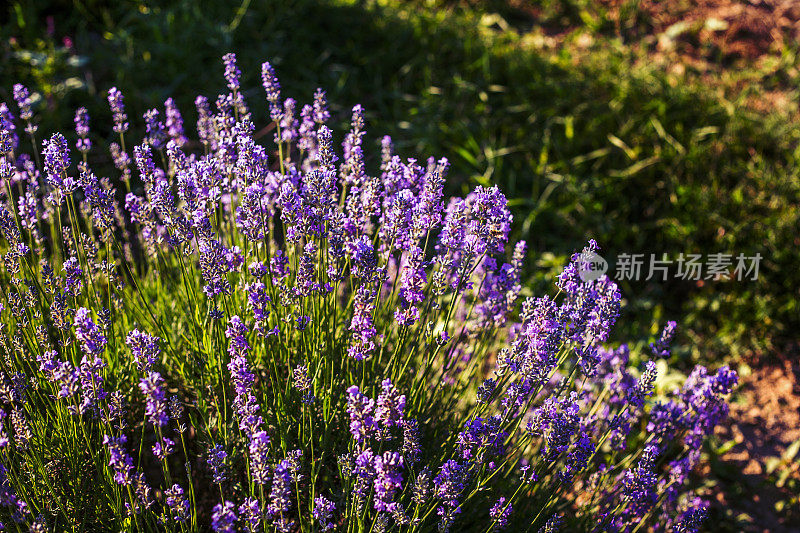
122	161
73	283
703	394
569	279
363	471
8	137
279	266
302	382
724	381
8	225
250	514
422	487
499	514
223	519
234	259
177	503
49	364
232	72
258	269
117	110
144	348
412	277
597	323
120	461
307	133
428	210
152	386
101	200
397	219
327	158
139	210
388	480
216	460
245	405
360	408
323	513
143	155
321	114
389	407
660	348
481	439
499	290
691	520
361	324
302	322
353	172
259	301
289	123
644	387
306	284
639	484
280	501
363	258
83	144
213	267
17	507
491	218
142	491
174	122
666	419
412	450
91	379
253	212
24	101
205	127
175	408
578	457
329	242
448	486
259	457
485	391
273	89
163	448
56	162
552	525
527	475
92	339
237	337
558	421
154	129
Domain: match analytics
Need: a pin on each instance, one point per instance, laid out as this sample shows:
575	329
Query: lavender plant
284	338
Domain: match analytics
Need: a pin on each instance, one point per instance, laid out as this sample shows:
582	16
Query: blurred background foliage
587	138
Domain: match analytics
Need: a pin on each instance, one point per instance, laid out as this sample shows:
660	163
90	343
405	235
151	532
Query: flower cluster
307	341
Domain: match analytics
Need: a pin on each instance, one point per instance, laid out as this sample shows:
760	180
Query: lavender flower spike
152	387
223	519
273	89
118	110
56	160
84	144
323	513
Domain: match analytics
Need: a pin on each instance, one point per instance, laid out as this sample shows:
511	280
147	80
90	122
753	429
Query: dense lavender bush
290	340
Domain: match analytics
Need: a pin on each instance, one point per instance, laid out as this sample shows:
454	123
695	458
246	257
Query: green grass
586	142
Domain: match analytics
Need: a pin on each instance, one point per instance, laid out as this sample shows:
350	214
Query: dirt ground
709	36
746	29
764	422
755	40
